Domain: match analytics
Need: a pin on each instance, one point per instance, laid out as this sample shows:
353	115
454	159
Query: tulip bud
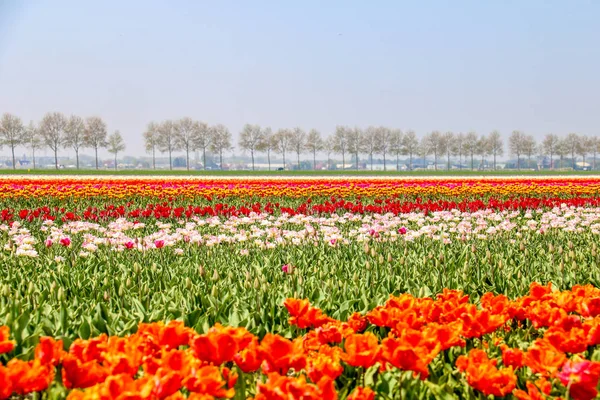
201	271
560	250
368	266
121	291
373	253
128	282
188	283
521	246
355	277
381	259
214	291
389	259
574	265
550	248
402	261
105	281
106	295
570	244
300	280
136	268
248	275
256	283
473	248
562	266
61	294
571	254
215	276
441	257
366	248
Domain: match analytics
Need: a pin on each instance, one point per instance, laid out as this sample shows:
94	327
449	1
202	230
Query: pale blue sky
422	65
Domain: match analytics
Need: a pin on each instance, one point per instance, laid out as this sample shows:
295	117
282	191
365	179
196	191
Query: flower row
124	188
531	347
263	231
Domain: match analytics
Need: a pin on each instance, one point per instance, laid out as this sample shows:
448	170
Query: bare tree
562	149
185	132
482	148
383	137
268	143
424	149
355	143
329	147
496	145
115	144
52	129
298	141
282	140
446	146
314	143
595	143
74	135
549	144
95	135
584	146
572	141
340	142
166	139
395	145
11	133
410	146
458	147
250	139
33	140
433	141
529	148
470	146
369	142
151	141
202	138
515	145
221	141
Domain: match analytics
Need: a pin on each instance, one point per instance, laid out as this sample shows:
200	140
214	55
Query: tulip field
300	288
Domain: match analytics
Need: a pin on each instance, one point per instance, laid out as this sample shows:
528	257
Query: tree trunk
252	155
56	157
594	165
33	154
153	158
371	155
170	160
13	157
314	159
269	158
343	160
518	162
283	152
397	161
472	166
435	160
448	156
187	158
298	155
204	158
221	158
459	160
551	165
384	167
96	148
573	158
410	161
77	157
494	161
356	157
115	161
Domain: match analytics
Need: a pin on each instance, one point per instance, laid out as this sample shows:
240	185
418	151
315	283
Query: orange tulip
362	393
362	350
6	344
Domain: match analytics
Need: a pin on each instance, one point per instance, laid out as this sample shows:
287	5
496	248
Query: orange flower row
160	360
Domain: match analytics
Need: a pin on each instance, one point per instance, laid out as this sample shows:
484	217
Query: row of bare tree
386	142
56	131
